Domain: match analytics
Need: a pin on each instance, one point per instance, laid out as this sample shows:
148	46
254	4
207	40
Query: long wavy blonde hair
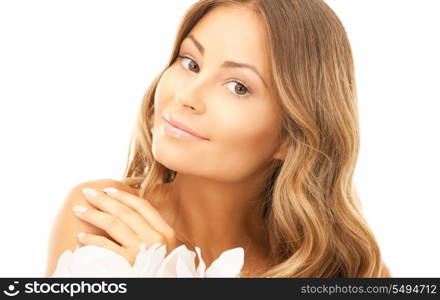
311	208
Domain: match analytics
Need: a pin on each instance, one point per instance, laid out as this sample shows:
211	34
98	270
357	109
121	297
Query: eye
191	64
241	89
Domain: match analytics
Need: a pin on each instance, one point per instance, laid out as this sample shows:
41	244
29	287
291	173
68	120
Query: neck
216	216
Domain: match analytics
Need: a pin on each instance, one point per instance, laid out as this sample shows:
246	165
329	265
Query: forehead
232	32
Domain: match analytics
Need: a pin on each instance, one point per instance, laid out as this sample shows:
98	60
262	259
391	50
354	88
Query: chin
169	157
177	154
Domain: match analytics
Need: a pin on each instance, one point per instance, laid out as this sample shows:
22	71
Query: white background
73	73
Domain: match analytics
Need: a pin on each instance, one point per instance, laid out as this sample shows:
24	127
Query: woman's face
240	120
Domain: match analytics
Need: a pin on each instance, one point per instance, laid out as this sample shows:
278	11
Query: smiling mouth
180	130
179	133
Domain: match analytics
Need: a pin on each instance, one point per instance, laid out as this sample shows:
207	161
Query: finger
99	241
145	209
111	224
125	213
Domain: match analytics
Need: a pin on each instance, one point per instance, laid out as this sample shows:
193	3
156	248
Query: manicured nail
90	192
79	208
110	190
142	247
80	235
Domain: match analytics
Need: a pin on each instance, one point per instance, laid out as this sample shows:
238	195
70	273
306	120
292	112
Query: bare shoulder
66	225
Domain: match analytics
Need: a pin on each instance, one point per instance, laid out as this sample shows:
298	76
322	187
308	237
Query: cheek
245	145
163	96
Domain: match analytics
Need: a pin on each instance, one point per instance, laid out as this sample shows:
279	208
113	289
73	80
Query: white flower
93	261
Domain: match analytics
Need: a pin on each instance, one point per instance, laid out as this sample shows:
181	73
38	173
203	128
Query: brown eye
240	89
192	65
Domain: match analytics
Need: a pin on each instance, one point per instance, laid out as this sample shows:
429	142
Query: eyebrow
227	63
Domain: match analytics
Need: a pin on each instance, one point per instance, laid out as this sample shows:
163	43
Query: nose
191	96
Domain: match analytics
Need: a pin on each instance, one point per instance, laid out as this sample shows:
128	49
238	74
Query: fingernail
79	208
80	235
142	247
110	190
90	192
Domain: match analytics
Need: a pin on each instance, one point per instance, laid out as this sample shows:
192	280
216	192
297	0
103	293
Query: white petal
148	261
185	266
201	267
62	268
168	267
228	264
93	261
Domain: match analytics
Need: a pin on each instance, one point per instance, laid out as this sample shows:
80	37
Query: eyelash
249	92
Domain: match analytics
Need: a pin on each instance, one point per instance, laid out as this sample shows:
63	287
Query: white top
93	261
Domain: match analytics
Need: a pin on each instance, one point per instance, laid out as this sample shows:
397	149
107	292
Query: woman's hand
129	219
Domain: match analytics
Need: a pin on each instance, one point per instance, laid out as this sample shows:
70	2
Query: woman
265	94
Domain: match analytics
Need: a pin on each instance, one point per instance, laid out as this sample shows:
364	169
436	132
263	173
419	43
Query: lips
182	127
